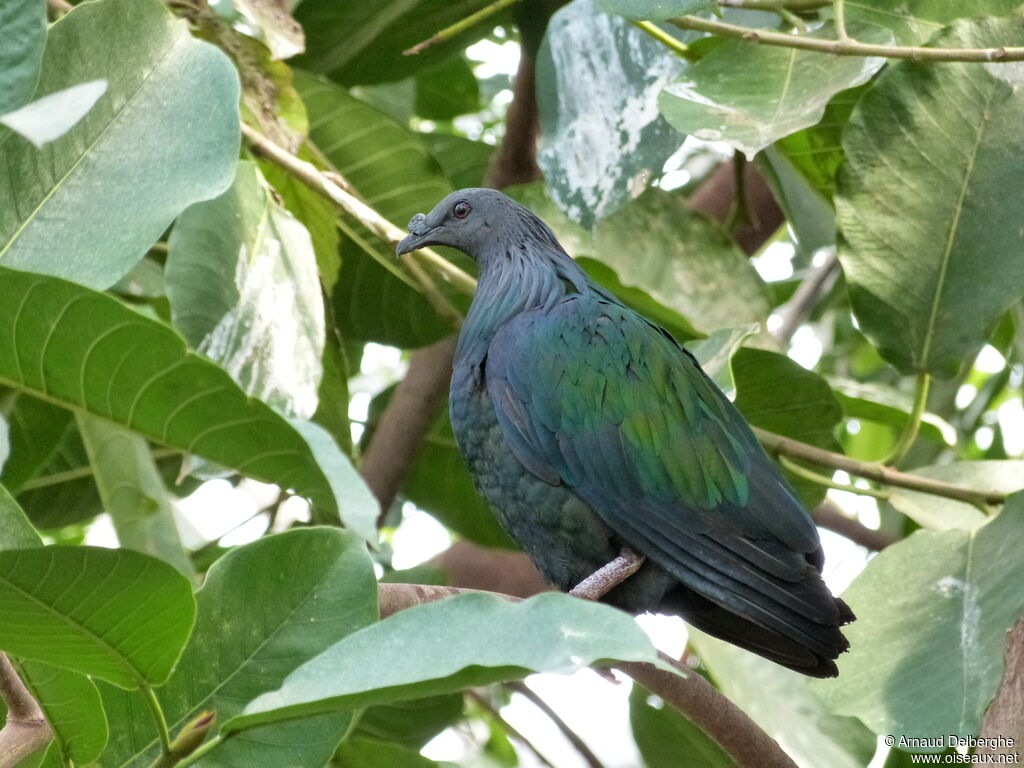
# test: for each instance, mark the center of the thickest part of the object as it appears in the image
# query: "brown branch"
(506, 726)
(693, 696)
(829, 516)
(26, 729)
(1005, 715)
(878, 472)
(847, 47)
(799, 308)
(574, 738)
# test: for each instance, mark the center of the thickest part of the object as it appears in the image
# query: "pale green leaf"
(925, 658)
(242, 281)
(84, 207)
(463, 641)
(656, 10)
(24, 26)
(715, 355)
(914, 21)
(16, 532)
(49, 118)
(928, 204)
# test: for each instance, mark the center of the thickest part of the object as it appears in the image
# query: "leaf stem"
(664, 37)
(460, 26)
(351, 205)
(779, 445)
(839, 11)
(800, 6)
(200, 753)
(828, 482)
(157, 713)
(847, 47)
(913, 424)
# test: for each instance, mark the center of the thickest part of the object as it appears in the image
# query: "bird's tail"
(787, 650)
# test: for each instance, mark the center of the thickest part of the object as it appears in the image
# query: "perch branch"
(828, 515)
(779, 445)
(26, 729)
(847, 47)
(693, 696)
(1005, 715)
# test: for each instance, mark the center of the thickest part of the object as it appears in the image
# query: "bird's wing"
(592, 395)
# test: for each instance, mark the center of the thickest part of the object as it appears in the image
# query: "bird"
(612, 459)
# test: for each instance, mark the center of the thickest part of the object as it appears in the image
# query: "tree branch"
(693, 696)
(828, 515)
(26, 729)
(1005, 715)
(778, 444)
(847, 47)
(510, 729)
(799, 308)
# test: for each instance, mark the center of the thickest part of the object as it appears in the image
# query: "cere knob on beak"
(419, 231)
(415, 223)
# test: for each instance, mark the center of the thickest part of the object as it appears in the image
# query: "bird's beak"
(419, 235)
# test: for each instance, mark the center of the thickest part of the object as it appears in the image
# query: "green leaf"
(47, 119)
(110, 613)
(448, 90)
(715, 355)
(72, 707)
(683, 260)
(464, 162)
(242, 281)
(24, 26)
(942, 514)
(664, 736)
(596, 141)
(16, 532)
(776, 92)
(777, 394)
(929, 277)
(356, 43)
(785, 706)
(811, 216)
(883, 404)
(463, 641)
(410, 723)
(656, 10)
(925, 659)
(914, 21)
(69, 344)
(369, 753)
(37, 428)
(263, 610)
(84, 207)
(133, 492)
(393, 172)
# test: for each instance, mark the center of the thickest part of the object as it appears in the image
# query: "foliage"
(176, 306)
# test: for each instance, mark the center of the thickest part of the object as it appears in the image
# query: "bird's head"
(476, 221)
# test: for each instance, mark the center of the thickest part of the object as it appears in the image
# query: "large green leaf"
(24, 26)
(785, 706)
(390, 168)
(242, 281)
(457, 643)
(71, 345)
(448, 90)
(263, 610)
(37, 428)
(914, 21)
(941, 514)
(410, 723)
(810, 215)
(111, 613)
(133, 492)
(463, 161)
(685, 261)
(85, 207)
(925, 658)
(656, 10)
(777, 394)
(927, 203)
(776, 92)
(362, 42)
(598, 79)
(72, 707)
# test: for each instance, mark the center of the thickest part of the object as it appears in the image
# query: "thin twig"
(460, 26)
(26, 729)
(827, 482)
(652, 29)
(828, 515)
(524, 690)
(322, 184)
(800, 307)
(777, 444)
(847, 47)
(692, 695)
(506, 726)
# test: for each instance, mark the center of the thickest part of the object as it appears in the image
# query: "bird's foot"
(606, 578)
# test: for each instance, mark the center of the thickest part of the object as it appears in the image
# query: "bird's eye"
(462, 209)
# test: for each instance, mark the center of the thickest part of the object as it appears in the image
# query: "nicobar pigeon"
(590, 431)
